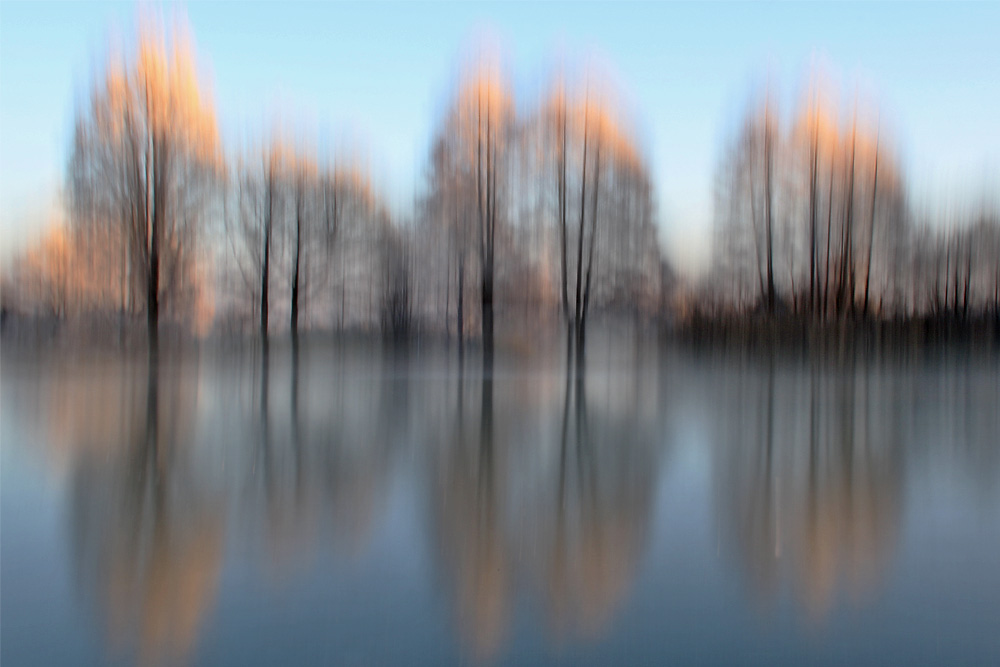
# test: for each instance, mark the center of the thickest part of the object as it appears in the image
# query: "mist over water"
(356, 503)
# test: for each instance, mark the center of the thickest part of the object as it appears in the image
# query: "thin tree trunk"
(579, 241)
(871, 231)
(582, 330)
(461, 305)
(954, 300)
(813, 212)
(447, 299)
(768, 206)
(296, 259)
(265, 277)
(968, 278)
(845, 297)
(829, 238)
(753, 220)
(563, 260)
(487, 277)
(153, 281)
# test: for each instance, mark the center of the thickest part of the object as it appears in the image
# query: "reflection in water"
(600, 516)
(469, 523)
(812, 479)
(322, 466)
(570, 518)
(286, 513)
(540, 487)
(148, 536)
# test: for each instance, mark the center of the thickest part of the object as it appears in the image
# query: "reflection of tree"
(145, 533)
(603, 496)
(470, 527)
(851, 498)
(321, 466)
(813, 494)
(573, 526)
(353, 449)
(755, 526)
(279, 470)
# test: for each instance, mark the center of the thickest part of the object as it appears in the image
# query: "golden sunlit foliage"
(297, 220)
(547, 207)
(560, 195)
(810, 217)
(594, 152)
(145, 152)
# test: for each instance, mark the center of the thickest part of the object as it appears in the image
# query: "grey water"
(342, 503)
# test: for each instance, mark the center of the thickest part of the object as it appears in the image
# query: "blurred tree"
(594, 153)
(469, 165)
(145, 156)
(259, 200)
(777, 189)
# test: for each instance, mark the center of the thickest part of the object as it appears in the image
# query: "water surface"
(350, 504)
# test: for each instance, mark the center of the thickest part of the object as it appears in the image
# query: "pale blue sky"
(379, 74)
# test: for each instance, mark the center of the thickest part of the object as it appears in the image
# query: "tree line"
(529, 213)
(813, 220)
(552, 205)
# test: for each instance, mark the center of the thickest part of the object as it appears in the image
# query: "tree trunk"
(460, 316)
(582, 329)
(563, 260)
(156, 232)
(265, 274)
(845, 293)
(753, 221)
(578, 306)
(447, 299)
(871, 233)
(491, 201)
(768, 204)
(968, 279)
(829, 238)
(812, 214)
(296, 260)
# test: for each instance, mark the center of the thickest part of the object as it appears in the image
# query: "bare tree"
(446, 210)
(469, 166)
(306, 189)
(775, 189)
(614, 226)
(251, 224)
(144, 156)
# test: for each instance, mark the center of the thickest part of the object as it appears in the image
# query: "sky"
(375, 77)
